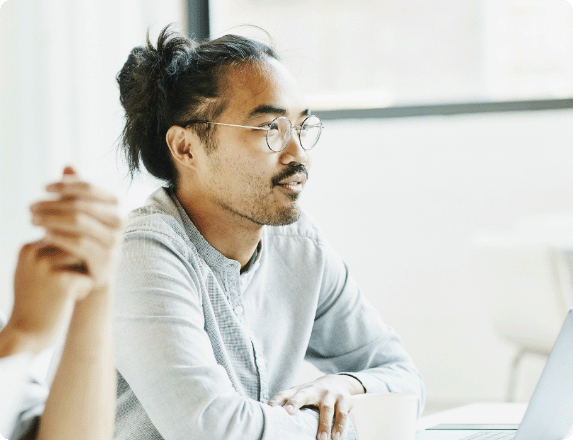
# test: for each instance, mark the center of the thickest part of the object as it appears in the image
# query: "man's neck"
(232, 235)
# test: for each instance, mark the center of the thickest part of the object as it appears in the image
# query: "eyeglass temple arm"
(244, 126)
(228, 125)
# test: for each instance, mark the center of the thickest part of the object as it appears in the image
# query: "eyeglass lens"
(280, 131)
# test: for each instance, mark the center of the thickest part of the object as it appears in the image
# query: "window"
(391, 53)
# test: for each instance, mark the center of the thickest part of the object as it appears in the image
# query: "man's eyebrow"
(267, 109)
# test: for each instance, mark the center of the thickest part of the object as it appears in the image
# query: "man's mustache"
(290, 171)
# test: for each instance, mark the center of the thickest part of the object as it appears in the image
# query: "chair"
(531, 292)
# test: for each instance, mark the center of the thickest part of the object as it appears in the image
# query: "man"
(225, 286)
(68, 272)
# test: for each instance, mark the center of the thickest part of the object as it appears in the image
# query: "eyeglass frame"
(297, 128)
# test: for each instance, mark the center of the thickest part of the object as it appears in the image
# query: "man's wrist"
(355, 385)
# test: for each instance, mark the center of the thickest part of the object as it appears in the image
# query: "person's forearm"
(13, 342)
(16, 337)
(81, 404)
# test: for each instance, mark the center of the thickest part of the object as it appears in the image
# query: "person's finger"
(28, 253)
(281, 397)
(69, 170)
(79, 189)
(104, 212)
(49, 252)
(58, 259)
(52, 259)
(81, 247)
(343, 406)
(61, 260)
(296, 401)
(76, 223)
(326, 409)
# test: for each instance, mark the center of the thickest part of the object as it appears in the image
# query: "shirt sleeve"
(13, 379)
(349, 337)
(166, 357)
(23, 396)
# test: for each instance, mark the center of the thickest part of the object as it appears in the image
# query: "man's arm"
(349, 337)
(166, 357)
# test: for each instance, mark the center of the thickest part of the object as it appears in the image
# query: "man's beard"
(272, 217)
(267, 217)
(291, 214)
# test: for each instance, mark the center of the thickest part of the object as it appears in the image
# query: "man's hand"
(82, 221)
(330, 394)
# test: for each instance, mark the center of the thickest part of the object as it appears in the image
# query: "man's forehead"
(263, 88)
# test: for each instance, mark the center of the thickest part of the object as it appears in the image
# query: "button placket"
(235, 298)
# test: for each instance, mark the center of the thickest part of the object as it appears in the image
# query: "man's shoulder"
(305, 227)
(159, 214)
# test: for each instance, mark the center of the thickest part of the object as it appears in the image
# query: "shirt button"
(239, 310)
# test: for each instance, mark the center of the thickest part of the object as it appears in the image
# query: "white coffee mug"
(388, 416)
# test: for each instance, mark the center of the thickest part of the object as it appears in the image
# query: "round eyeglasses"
(279, 131)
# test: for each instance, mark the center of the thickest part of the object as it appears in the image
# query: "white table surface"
(489, 413)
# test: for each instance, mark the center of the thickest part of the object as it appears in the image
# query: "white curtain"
(59, 102)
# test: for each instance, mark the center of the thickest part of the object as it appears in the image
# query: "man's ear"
(182, 143)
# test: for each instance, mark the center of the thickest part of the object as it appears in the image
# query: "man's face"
(241, 174)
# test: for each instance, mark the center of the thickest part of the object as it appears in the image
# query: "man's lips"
(296, 179)
(293, 184)
(292, 179)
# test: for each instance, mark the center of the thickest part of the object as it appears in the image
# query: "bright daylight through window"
(382, 53)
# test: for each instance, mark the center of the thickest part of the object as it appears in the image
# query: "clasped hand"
(83, 222)
(75, 258)
(330, 394)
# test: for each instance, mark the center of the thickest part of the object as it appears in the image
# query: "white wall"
(400, 199)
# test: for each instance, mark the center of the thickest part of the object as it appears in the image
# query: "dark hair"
(176, 81)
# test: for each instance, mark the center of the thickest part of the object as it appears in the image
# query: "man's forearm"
(81, 404)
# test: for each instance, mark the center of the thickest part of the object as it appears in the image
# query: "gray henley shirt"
(201, 347)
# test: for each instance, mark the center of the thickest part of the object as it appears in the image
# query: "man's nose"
(293, 152)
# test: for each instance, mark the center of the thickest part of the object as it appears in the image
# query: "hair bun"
(150, 69)
(146, 84)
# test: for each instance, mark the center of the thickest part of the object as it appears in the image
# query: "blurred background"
(444, 176)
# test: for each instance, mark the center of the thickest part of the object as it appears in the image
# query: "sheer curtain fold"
(59, 103)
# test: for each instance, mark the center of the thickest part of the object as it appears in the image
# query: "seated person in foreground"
(67, 273)
(225, 286)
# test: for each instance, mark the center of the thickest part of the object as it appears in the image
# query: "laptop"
(549, 415)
